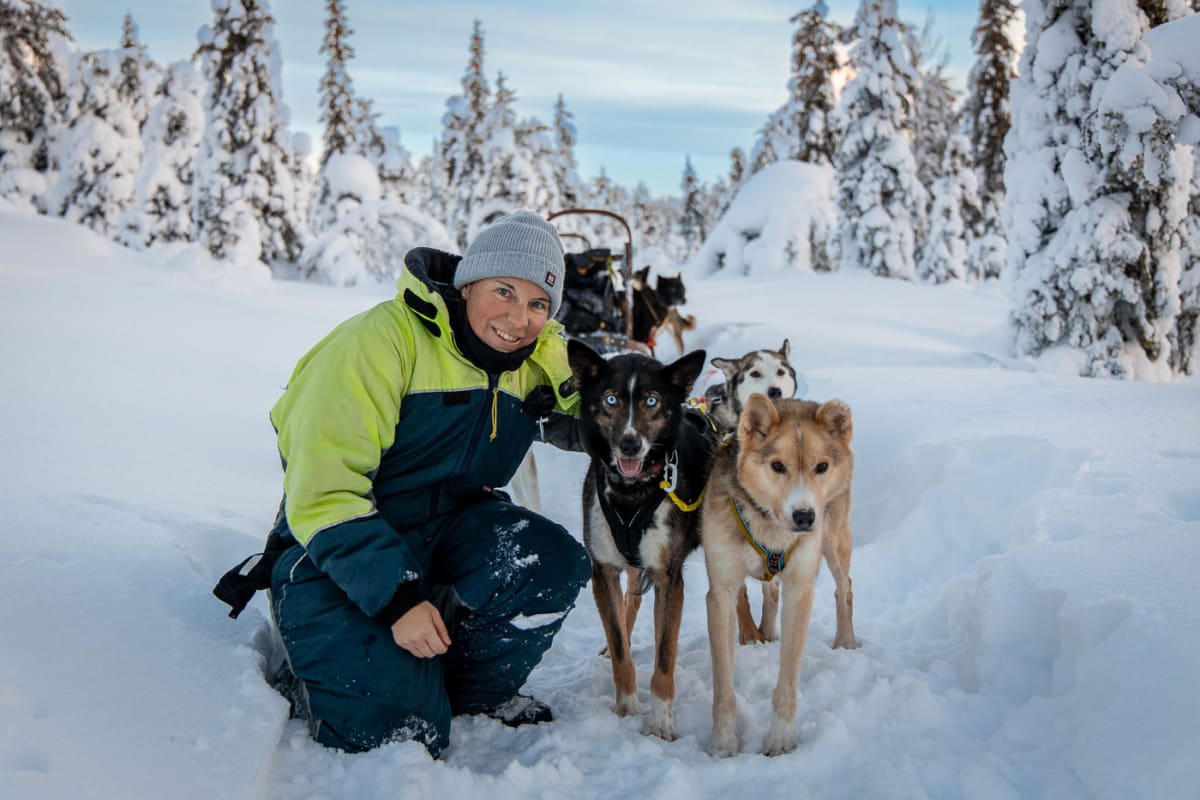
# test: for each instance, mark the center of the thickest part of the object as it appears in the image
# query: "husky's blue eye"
(610, 399)
(652, 401)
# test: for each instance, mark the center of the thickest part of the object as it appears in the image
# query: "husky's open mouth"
(629, 467)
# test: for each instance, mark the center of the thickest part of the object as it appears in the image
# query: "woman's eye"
(778, 466)
(651, 401)
(540, 305)
(610, 399)
(821, 467)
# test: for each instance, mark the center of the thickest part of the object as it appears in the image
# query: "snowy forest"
(1067, 170)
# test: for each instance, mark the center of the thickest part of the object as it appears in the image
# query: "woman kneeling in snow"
(405, 588)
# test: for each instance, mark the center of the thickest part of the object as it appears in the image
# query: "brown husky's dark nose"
(630, 445)
(803, 518)
(774, 393)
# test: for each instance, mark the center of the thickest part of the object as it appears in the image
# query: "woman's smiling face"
(506, 314)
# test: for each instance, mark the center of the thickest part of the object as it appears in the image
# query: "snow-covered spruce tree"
(140, 76)
(337, 91)
(519, 164)
(606, 194)
(368, 235)
(99, 151)
(816, 59)
(161, 207)
(802, 128)
(954, 193)
(243, 204)
(33, 77)
(934, 99)
(458, 162)
(879, 198)
(763, 153)
(566, 169)
(729, 187)
(393, 162)
(692, 218)
(1085, 269)
(1143, 127)
(304, 176)
(984, 121)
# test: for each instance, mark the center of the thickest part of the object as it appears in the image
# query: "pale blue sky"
(649, 81)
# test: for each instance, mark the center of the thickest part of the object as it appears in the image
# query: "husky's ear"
(785, 349)
(759, 416)
(835, 417)
(683, 373)
(586, 363)
(727, 366)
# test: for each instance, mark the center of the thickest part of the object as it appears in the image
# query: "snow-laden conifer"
(100, 149)
(33, 78)
(243, 204)
(1094, 241)
(161, 207)
(984, 122)
(879, 198)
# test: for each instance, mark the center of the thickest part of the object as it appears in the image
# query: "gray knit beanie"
(518, 245)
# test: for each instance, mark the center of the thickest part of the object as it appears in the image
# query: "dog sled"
(598, 290)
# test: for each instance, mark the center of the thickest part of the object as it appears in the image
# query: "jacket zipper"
(487, 413)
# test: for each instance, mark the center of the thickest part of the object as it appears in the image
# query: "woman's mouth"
(506, 337)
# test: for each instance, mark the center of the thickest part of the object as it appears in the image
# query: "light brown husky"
(777, 499)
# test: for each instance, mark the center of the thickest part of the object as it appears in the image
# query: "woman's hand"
(421, 631)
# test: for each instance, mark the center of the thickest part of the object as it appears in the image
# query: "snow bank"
(779, 220)
(1024, 569)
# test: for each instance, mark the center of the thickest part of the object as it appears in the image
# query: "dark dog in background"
(655, 310)
(649, 464)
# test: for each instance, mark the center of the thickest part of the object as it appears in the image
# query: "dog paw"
(782, 737)
(750, 636)
(661, 721)
(724, 743)
(628, 706)
(846, 642)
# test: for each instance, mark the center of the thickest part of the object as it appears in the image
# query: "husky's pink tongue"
(629, 466)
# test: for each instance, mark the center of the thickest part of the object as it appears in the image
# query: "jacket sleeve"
(335, 420)
(560, 427)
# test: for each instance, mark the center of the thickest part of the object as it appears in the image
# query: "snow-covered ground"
(1026, 568)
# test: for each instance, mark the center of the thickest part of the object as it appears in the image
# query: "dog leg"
(836, 548)
(606, 589)
(770, 611)
(797, 610)
(668, 612)
(721, 625)
(633, 602)
(748, 632)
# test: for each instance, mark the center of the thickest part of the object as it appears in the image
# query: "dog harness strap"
(628, 537)
(774, 561)
(670, 483)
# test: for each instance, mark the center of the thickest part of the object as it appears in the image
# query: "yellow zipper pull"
(495, 396)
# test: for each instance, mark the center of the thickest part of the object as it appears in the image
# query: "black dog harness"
(685, 473)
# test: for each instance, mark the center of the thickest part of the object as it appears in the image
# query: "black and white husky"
(763, 371)
(650, 458)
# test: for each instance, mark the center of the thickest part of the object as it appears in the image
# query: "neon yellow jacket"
(385, 426)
